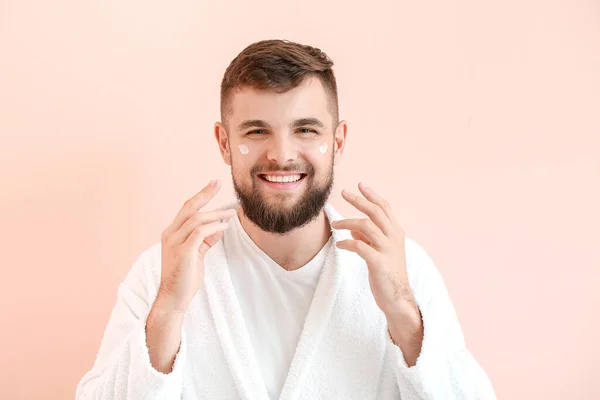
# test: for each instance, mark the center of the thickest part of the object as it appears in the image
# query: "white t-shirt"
(274, 302)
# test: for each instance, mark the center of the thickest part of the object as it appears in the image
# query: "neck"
(284, 248)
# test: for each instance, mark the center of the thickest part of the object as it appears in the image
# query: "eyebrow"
(252, 123)
(259, 123)
(308, 122)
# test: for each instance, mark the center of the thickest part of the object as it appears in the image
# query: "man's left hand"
(380, 241)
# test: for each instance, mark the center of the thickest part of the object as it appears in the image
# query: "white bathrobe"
(344, 352)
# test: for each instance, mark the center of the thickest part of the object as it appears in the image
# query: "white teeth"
(282, 179)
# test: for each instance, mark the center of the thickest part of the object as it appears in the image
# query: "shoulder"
(424, 277)
(418, 261)
(144, 273)
(151, 254)
(416, 255)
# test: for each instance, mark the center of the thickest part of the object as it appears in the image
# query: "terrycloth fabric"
(274, 302)
(344, 352)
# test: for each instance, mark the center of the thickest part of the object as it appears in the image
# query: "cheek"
(316, 150)
(244, 158)
(323, 148)
(243, 149)
(321, 154)
(244, 154)
(319, 158)
(249, 149)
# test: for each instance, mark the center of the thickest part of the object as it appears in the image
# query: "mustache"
(301, 169)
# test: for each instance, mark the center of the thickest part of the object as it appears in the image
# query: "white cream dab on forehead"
(243, 149)
(323, 148)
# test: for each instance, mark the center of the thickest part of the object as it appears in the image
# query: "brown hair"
(278, 65)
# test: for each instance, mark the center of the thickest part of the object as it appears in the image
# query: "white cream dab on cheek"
(243, 149)
(323, 149)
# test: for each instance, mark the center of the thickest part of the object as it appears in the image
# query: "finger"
(197, 219)
(360, 236)
(210, 241)
(192, 205)
(366, 252)
(200, 233)
(366, 227)
(377, 199)
(373, 211)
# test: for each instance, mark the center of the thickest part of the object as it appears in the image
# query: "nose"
(282, 150)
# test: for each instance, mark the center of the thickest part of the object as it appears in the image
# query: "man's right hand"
(184, 244)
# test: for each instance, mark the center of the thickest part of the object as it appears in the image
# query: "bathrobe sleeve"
(445, 369)
(122, 368)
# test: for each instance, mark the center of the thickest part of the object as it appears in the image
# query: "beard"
(284, 217)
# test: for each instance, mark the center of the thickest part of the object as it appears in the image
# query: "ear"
(223, 141)
(339, 141)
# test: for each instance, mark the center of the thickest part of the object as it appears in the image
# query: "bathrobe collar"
(234, 336)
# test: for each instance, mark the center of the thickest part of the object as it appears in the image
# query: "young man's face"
(288, 137)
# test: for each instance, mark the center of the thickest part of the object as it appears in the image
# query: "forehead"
(307, 100)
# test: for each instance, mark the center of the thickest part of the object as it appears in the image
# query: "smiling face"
(281, 148)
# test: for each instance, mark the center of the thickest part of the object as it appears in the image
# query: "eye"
(306, 130)
(257, 132)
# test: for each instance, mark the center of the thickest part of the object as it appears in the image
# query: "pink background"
(480, 123)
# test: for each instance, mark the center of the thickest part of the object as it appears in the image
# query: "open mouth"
(282, 179)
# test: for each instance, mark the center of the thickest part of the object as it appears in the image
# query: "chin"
(282, 200)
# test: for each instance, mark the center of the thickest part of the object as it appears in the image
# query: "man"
(277, 296)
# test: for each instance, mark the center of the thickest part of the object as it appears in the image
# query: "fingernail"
(210, 183)
(363, 185)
